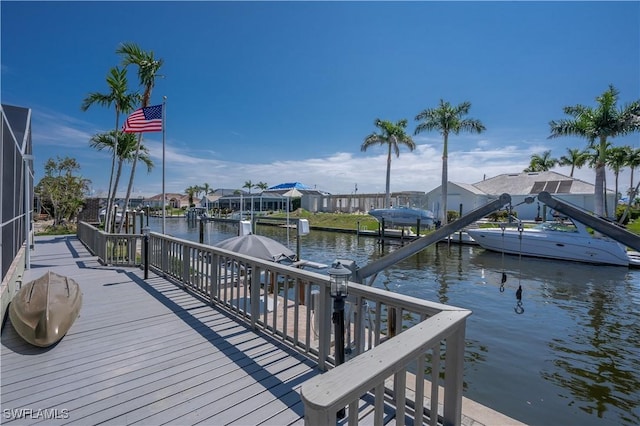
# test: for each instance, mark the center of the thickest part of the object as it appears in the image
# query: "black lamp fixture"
(339, 277)
(146, 232)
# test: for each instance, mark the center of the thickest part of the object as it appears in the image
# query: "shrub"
(501, 215)
(452, 215)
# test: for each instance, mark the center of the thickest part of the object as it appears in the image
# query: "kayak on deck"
(44, 309)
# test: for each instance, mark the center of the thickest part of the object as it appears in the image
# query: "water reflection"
(593, 362)
(597, 370)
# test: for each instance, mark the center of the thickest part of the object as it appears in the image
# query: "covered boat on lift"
(403, 216)
(44, 309)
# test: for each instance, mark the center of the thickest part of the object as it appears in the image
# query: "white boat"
(403, 216)
(103, 213)
(197, 213)
(566, 240)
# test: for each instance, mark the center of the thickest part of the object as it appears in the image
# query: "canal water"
(568, 354)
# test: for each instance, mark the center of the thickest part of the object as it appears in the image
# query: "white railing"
(112, 249)
(389, 336)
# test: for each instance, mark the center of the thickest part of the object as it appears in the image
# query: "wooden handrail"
(324, 395)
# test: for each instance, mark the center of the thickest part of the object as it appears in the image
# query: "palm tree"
(616, 159)
(126, 150)
(124, 103)
(633, 162)
(248, 184)
(261, 186)
(191, 192)
(541, 163)
(592, 159)
(198, 190)
(206, 188)
(148, 68)
(392, 135)
(447, 119)
(597, 125)
(574, 158)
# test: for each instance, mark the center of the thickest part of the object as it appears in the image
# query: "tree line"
(598, 125)
(194, 191)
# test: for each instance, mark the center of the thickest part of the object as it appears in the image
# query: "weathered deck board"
(146, 352)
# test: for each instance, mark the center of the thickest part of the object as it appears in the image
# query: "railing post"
(453, 375)
(316, 417)
(146, 256)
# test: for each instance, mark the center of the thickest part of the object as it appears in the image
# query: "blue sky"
(287, 91)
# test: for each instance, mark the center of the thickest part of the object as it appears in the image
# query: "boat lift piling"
(372, 269)
(601, 225)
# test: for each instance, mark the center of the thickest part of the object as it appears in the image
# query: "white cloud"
(470, 160)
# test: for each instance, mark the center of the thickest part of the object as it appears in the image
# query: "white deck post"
(454, 369)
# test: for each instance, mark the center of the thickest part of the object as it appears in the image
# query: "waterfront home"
(520, 186)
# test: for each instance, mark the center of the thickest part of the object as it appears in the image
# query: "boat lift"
(603, 226)
(371, 270)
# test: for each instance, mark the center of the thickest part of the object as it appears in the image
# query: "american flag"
(148, 119)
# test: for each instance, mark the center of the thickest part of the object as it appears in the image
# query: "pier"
(155, 351)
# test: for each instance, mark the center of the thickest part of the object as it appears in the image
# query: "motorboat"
(197, 213)
(562, 240)
(103, 213)
(403, 216)
(44, 309)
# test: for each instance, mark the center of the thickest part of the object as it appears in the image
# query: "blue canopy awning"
(289, 185)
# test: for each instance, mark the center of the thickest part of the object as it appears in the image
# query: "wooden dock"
(149, 352)
(145, 352)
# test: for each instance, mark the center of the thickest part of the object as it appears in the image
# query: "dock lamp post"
(339, 277)
(146, 231)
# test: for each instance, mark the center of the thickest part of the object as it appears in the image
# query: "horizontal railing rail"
(294, 306)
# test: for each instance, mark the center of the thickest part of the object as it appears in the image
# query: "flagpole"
(164, 198)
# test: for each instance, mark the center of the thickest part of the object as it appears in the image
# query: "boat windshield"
(563, 226)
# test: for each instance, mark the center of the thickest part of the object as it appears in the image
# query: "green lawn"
(328, 220)
(334, 220)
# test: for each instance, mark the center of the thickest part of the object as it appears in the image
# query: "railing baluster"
(378, 323)
(399, 391)
(378, 415)
(297, 286)
(419, 386)
(285, 310)
(435, 384)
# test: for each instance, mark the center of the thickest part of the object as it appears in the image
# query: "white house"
(466, 197)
